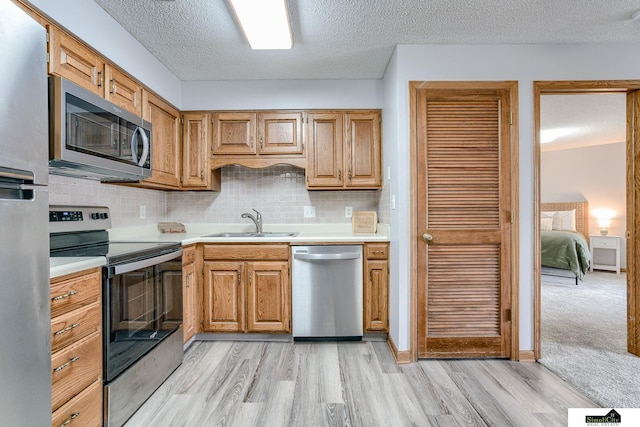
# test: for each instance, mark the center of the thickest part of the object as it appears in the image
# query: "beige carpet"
(584, 337)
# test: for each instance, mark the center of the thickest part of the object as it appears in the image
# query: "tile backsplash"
(278, 192)
(123, 202)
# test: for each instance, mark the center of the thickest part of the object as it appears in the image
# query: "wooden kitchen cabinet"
(179, 148)
(75, 61)
(122, 90)
(166, 147)
(234, 133)
(246, 288)
(268, 296)
(257, 139)
(280, 133)
(196, 172)
(343, 150)
(376, 287)
(76, 349)
(223, 297)
(190, 292)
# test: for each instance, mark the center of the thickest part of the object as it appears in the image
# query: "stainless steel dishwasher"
(327, 292)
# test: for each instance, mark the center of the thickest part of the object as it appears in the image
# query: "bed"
(564, 247)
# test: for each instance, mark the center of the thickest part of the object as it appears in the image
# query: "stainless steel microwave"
(93, 138)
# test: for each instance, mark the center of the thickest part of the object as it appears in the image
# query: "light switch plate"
(143, 211)
(309, 211)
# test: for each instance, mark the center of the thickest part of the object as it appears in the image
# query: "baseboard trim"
(527, 356)
(401, 357)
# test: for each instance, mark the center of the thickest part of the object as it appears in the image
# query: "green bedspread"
(567, 250)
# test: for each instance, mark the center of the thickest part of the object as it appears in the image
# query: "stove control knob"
(94, 215)
(103, 215)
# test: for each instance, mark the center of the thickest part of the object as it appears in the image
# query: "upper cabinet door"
(234, 133)
(280, 133)
(362, 149)
(195, 160)
(324, 153)
(166, 156)
(74, 61)
(122, 90)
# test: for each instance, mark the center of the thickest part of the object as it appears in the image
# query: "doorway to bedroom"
(593, 171)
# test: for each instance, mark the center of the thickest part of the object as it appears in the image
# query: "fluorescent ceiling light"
(265, 23)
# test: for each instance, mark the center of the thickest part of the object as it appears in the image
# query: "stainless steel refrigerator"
(25, 348)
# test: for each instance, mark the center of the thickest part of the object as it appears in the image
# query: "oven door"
(142, 306)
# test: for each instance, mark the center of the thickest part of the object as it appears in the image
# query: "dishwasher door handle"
(338, 256)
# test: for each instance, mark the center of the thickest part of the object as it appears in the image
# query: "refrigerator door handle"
(16, 174)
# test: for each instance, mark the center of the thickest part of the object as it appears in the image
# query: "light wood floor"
(225, 383)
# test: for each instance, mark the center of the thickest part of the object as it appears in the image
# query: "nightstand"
(605, 253)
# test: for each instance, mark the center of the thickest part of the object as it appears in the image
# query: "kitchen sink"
(255, 234)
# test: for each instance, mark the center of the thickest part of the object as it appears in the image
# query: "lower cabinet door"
(84, 410)
(376, 296)
(74, 368)
(189, 301)
(223, 297)
(268, 297)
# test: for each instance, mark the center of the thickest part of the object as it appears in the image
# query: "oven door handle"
(136, 265)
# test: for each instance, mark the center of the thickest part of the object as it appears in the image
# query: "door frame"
(568, 87)
(414, 87)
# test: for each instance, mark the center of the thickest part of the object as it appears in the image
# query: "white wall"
(89, 22)
(281, 94)
(524, 63)
(596, 174)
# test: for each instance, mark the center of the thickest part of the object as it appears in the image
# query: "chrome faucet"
(257, 220)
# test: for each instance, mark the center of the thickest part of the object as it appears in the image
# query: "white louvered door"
(464, 221)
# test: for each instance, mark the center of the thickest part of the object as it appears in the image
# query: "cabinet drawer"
(246, 252)
(188, 255)
(604, 242)
(377, 251)
(74, 291)
(74, 326)
(75, 367)
(84, 410)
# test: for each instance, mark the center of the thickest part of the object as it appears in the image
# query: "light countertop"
(198, 233)
(60, 266)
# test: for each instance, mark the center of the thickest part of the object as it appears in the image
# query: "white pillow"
(546, 224)
(565, 220)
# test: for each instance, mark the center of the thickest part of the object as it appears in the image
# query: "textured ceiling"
(590, 119)
(354, 39)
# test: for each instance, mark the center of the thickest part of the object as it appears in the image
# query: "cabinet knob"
(428, 238)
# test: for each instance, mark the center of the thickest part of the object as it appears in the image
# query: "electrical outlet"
(143, 211)
(348, 211)
(309, 211)
(393, 201)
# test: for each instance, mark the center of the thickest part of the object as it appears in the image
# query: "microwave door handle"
(134, 146)
(145, 147)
